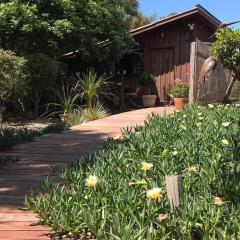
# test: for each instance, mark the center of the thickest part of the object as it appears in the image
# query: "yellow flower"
(117, 137)
(184, 116)
(154, 193)
(92, 181)
(201, 118)
(218, 201)
(225, 141)
(210, 106)
(226, 124)
(146, 166)
(194, 169)
(199, 114)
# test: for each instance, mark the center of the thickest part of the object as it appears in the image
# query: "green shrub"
(181, 90)
(43, 71)
(13, 77)
(226, 49)
(201, 144)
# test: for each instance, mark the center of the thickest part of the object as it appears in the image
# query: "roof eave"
(199, 9)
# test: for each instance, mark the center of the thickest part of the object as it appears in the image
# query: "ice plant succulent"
(154, 193)
(92, 181)
(146, 166)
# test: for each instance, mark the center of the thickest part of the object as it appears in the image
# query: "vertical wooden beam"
(174, 190)
(193, 76)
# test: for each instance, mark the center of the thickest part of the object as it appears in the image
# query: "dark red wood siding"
(167, 51)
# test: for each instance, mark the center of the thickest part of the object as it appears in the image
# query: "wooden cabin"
(163, 48)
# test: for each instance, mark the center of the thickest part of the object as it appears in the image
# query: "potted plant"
(180, 93)
(146, 81)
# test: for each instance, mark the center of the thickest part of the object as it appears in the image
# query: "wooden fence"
(210, 88)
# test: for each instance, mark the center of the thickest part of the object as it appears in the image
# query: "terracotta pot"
(149, 100)
(180, 102)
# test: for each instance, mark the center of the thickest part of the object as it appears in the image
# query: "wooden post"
(174, 190)
(122, 94)
(192, 72)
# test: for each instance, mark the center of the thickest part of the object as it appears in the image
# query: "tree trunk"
(36, 104)
(229, 89)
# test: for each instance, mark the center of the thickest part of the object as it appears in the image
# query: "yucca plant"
(96, 111)
(92, 87)
(77, 117)
(66, 100)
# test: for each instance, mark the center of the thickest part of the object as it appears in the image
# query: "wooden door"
(163, 69)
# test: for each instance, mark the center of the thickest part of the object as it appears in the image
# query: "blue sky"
(225, 10)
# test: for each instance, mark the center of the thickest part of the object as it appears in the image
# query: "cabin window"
(136, 65)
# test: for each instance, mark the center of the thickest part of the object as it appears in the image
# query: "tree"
(55, 27)
(139, 20)
(226, 49)
(13, 77)
(43, 71)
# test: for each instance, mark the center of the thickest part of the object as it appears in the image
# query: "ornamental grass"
(120, 192)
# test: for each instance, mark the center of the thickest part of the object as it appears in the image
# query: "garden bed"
(13, 133)
(120, 193)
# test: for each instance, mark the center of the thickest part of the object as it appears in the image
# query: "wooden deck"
(52, 150)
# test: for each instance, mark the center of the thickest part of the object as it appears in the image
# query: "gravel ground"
(33, 124)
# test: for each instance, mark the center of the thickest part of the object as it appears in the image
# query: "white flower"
(210, 105)
(226, 124)
(199, 114)
(201, 118)
(154, 193)
(225, 142)
(175, 153)
(184, 116)
(199, 124)
(183, 127)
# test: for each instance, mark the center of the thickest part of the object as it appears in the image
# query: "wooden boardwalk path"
(52, 150)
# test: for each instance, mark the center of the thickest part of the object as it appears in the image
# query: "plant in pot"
(146, 81)
(180, 93)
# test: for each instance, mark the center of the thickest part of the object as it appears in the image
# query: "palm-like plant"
(96, 111)
(92, 87)
(66, 100)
